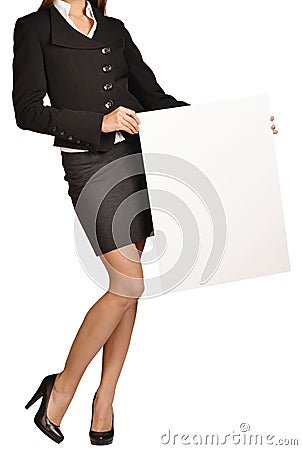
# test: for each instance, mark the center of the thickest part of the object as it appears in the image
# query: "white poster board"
(214, 190)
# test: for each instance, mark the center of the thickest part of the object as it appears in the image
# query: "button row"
(107, 86)
(107, 68)
(70, 138)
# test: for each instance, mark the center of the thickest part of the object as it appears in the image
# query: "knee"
(130, 290)
(135, 288)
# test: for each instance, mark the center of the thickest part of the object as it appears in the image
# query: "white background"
(200, 361)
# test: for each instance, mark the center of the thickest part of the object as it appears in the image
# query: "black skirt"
(110, 196)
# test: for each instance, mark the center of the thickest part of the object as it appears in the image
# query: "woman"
(96, 80)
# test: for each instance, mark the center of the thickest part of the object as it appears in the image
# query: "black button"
(54, 129)
(78, 141)
(106, 50)
(108, 104)
(70, 138)
(62, 133)
(108, 86)
(107, 68)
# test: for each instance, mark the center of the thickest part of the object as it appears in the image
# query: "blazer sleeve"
(30, 87)
(142, 82)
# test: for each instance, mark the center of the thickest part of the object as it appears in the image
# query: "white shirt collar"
(64, 8)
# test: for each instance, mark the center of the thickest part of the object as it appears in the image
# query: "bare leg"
(126, 286)
(114, 355)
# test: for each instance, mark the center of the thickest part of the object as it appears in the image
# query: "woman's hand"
(121, 119)
(273, 126)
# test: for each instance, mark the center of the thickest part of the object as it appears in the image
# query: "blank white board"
(214, 190)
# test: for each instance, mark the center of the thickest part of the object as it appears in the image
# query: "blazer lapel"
(63, 34)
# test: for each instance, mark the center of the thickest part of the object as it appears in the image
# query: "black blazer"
(84, 78)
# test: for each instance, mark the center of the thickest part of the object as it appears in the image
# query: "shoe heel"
(35, 397)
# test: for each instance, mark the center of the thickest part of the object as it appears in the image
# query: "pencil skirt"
(109, 193)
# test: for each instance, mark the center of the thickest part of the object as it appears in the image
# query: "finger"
(275, 131)
(132, 113)
(132, 122)
(272, 118)
(129, 127)
(121, 116)
(273, 127)
(125, 128)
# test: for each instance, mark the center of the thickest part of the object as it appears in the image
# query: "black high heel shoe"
(101, 437)
(41, 420)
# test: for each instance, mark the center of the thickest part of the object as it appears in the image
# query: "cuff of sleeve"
(82, 127)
